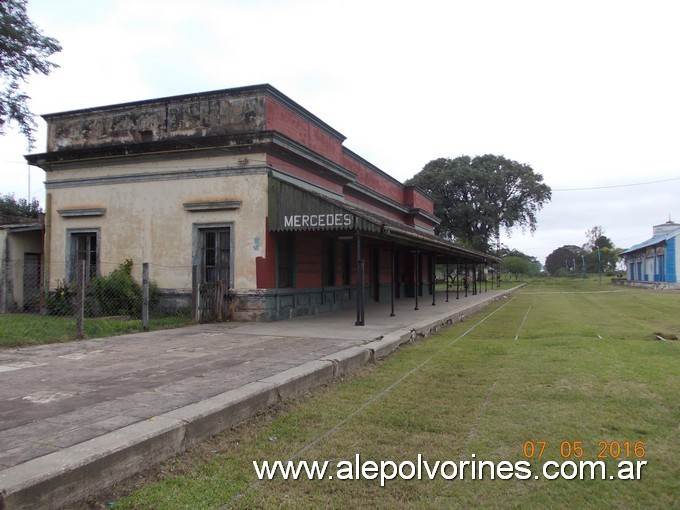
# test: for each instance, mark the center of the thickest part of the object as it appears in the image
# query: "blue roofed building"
(654, 262)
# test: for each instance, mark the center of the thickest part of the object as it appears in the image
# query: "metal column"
(392, 285)
(360, 285)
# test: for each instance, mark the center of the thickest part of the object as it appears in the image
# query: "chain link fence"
(92, 301)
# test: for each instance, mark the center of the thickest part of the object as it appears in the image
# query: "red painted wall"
(279, 118)
(266, 266)
(308, 261)
(306, 175)
(415, 198)
(309, 245)
(373, 180)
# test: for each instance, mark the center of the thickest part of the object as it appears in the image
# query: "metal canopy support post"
(360, 285)
(447, 280)
(474, 279)
(466, 280)
(416, 281)
(457, 279)
(433, 277)
(145, 296)
(392, 284)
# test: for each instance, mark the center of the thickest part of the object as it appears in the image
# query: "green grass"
(560, 361)
(28, 329)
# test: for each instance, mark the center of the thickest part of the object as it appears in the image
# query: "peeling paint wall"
(145, 220)
(14, 247)
(156, 121)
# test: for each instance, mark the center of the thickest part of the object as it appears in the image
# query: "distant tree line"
(597, 254)
(517, 264)
(12, 208)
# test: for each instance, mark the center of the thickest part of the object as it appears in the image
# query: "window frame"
(198, 231)
(72, 234)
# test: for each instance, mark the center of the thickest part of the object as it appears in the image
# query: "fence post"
(219, 300)
(80, 302)
(195, 316)
(3, 286)
(145, 296)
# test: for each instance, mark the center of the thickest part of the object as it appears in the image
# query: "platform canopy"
(294, 208)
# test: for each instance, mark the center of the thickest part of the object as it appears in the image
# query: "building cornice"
(155, 177)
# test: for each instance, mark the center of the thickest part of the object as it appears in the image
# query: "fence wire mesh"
(101, 300)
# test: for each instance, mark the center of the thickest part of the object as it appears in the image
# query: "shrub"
(59, 301)
(119, 293)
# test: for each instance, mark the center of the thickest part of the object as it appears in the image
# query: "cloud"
(584, 92)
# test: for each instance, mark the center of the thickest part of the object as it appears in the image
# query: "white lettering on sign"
(317, 220)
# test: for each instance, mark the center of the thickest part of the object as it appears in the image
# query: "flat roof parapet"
(205, 114)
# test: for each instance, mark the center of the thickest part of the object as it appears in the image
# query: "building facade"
(240, 186)
(21, 247)
(655, 261)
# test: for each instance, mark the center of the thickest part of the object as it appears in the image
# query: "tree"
(475, 197)
(516, 266)
(567, 257)
(11, 208)
(600, 253)
(596, 239)
(23, 51)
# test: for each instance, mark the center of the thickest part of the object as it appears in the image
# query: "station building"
(243, 189)
(655, 261)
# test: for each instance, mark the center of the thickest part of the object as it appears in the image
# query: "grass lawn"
(30, 329)
(568, 364)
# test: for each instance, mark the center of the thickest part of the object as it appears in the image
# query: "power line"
(618, 185)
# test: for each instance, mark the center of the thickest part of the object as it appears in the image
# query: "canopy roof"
(293, 208)
(657, 239)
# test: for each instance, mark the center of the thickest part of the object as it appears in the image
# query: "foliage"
(23, 51)
(119, 294)
(602, 260)
(565, 257)
(475, 197)
(598, 255)
(596, 239)
(516, 266)
(30, 329)
(12, 207)
(60, 301)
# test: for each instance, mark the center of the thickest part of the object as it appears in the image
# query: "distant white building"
(655, 261)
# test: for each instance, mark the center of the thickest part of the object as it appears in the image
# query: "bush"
(59, 302)
(119, 293)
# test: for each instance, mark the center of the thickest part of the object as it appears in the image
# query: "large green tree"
(24, 51)
(476, 197)
(516, 266)
(600, 252)
(596, 239)
(567, 258)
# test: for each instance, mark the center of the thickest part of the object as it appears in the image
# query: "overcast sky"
(587, 92)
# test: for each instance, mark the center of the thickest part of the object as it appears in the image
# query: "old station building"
(654, 262)
(244, 189)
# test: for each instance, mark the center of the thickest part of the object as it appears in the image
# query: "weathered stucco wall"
(200, 115)
(145, 219)
(14, 247)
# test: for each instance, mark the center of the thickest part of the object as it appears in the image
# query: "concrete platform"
(77, 417)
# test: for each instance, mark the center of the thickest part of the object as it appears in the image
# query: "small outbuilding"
(654, 262)
(21, 248)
